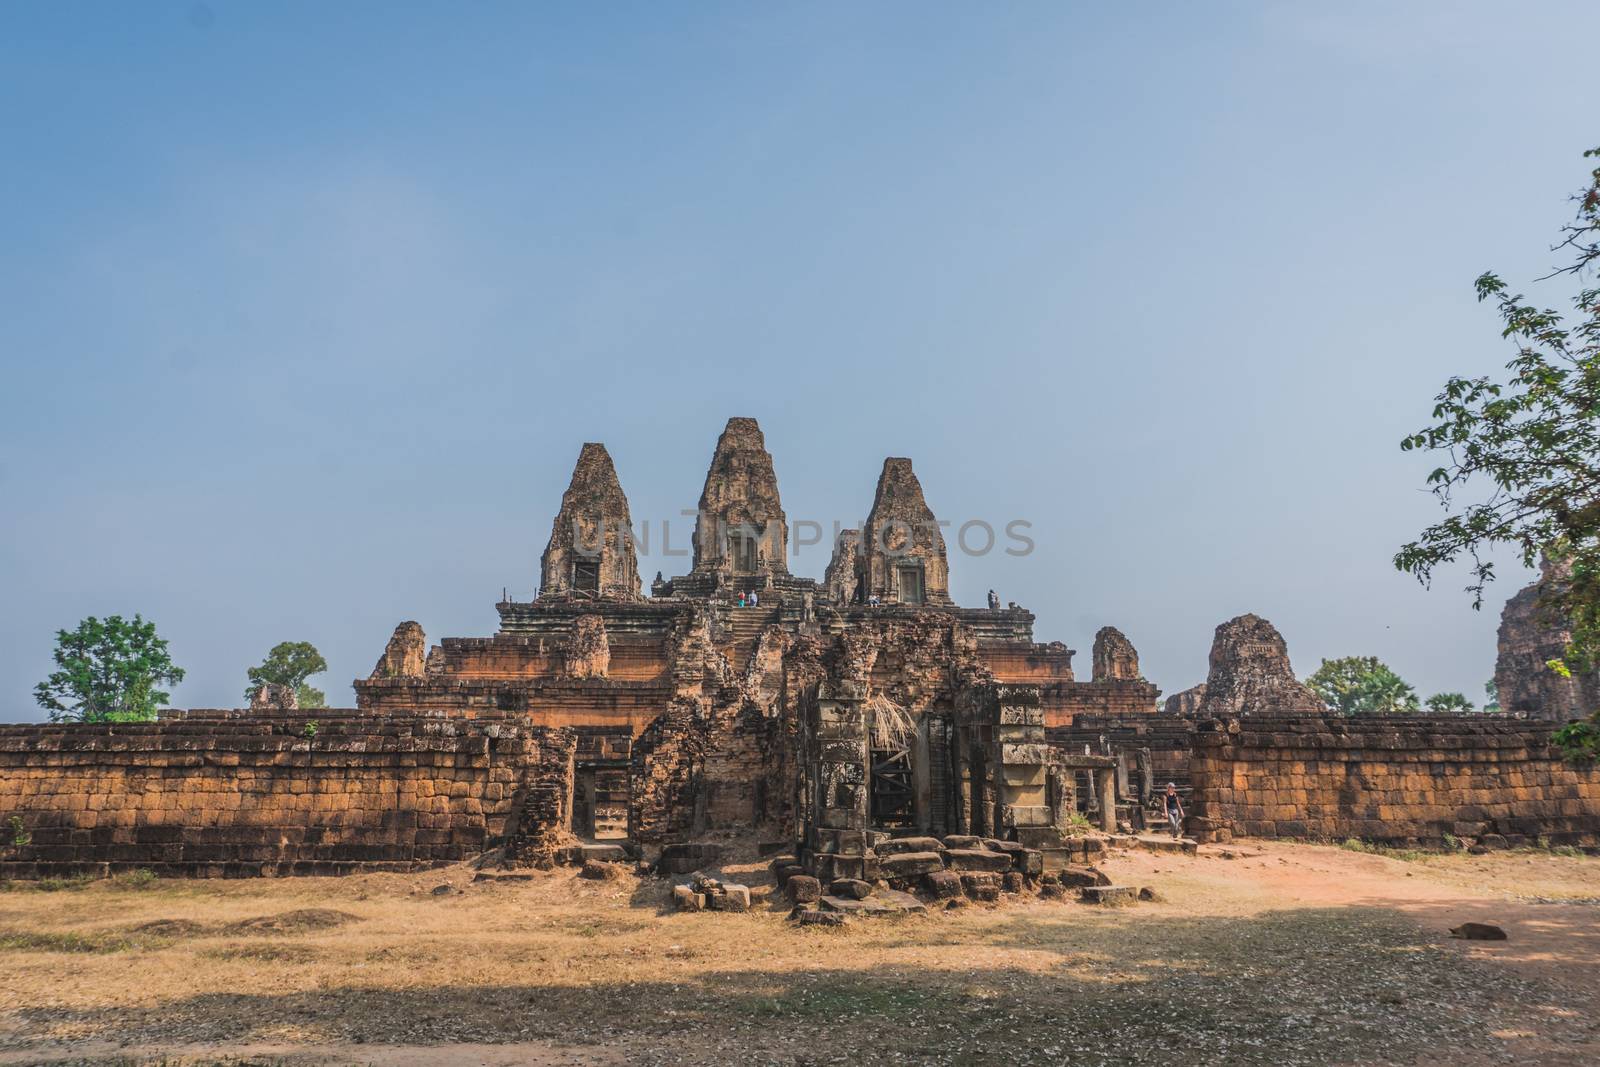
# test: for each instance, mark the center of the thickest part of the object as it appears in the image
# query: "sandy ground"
(1282, 954)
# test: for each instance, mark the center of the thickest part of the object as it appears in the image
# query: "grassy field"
(1285, 954)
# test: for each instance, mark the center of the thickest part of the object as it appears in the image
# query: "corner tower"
(590, 555)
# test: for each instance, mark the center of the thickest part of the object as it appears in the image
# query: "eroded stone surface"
(587, 653)
(840, 580)
(274, 697)
(591, 552)
(406, 654)
(1250, 673)
(1188, 702)
(902, 554)
(1531, 635)
(740, 501)
(1115, 658)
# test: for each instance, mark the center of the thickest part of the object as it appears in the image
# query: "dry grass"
(1295, 955)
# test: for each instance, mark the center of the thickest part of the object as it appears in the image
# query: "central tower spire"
(741, 529)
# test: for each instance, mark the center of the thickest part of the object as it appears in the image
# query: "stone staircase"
(738, 629)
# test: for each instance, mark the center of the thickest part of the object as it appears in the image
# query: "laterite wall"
(233, 794)
(1391, 779)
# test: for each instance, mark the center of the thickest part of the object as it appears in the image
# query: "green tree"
(1491, 692)
(1362, 685)
(1520, 459)
(1440, 703)
(290, 663)
(108, 671)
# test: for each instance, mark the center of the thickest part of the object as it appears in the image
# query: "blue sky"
(309, 307)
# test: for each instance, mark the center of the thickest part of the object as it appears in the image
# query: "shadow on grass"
(1311, 986)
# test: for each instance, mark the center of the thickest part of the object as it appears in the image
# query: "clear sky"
(308, 307)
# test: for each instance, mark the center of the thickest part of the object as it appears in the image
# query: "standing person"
(754, 599)
(1174, 809)
(994, 601)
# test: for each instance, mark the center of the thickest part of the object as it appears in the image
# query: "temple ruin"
(1532, 633)
(828, 712)
(865, 725)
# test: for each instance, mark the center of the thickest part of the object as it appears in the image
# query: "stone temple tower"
(590, 555)
(901, 558)
(741, 531)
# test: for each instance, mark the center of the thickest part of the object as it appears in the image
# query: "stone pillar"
(835, 840)
(1105, 787)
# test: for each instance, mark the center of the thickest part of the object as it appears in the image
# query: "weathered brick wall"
(1065, 701)
(233, 794)
(1390, 779)
(664, 776)
(570, 702)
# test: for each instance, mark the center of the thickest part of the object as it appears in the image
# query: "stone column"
(1105, 785)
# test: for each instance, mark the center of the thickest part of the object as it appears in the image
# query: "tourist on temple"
(1174, 809)
(994, 601)
(754, 599)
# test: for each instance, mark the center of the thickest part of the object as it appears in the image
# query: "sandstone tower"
(741, 531)
(902, 555)
(590, 554)
(1530, 637)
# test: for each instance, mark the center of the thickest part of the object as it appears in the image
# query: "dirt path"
(1286, 954)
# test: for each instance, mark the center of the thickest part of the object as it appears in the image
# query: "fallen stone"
(821, 918)
(1147, 893)
(442, 890)
(1029, 861)
(601, 871)
(942, 885)
(962, 841)
(1078, 877)
(974, 859)
(854, 888)
(604, 853)
(1012, 882)
(779, 862)
(1478, 932)
(786, 872)
(732, 898)
(981, 885)
(896, 845)
(884, 902)
(1052, 891)
(911, 864)
(1109, 894)
(955, 903)
(803, 889)
(994, 844)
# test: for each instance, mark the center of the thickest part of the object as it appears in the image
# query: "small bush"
(68, 883)
(1077, 823)
(17, 941)
(143, 878)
